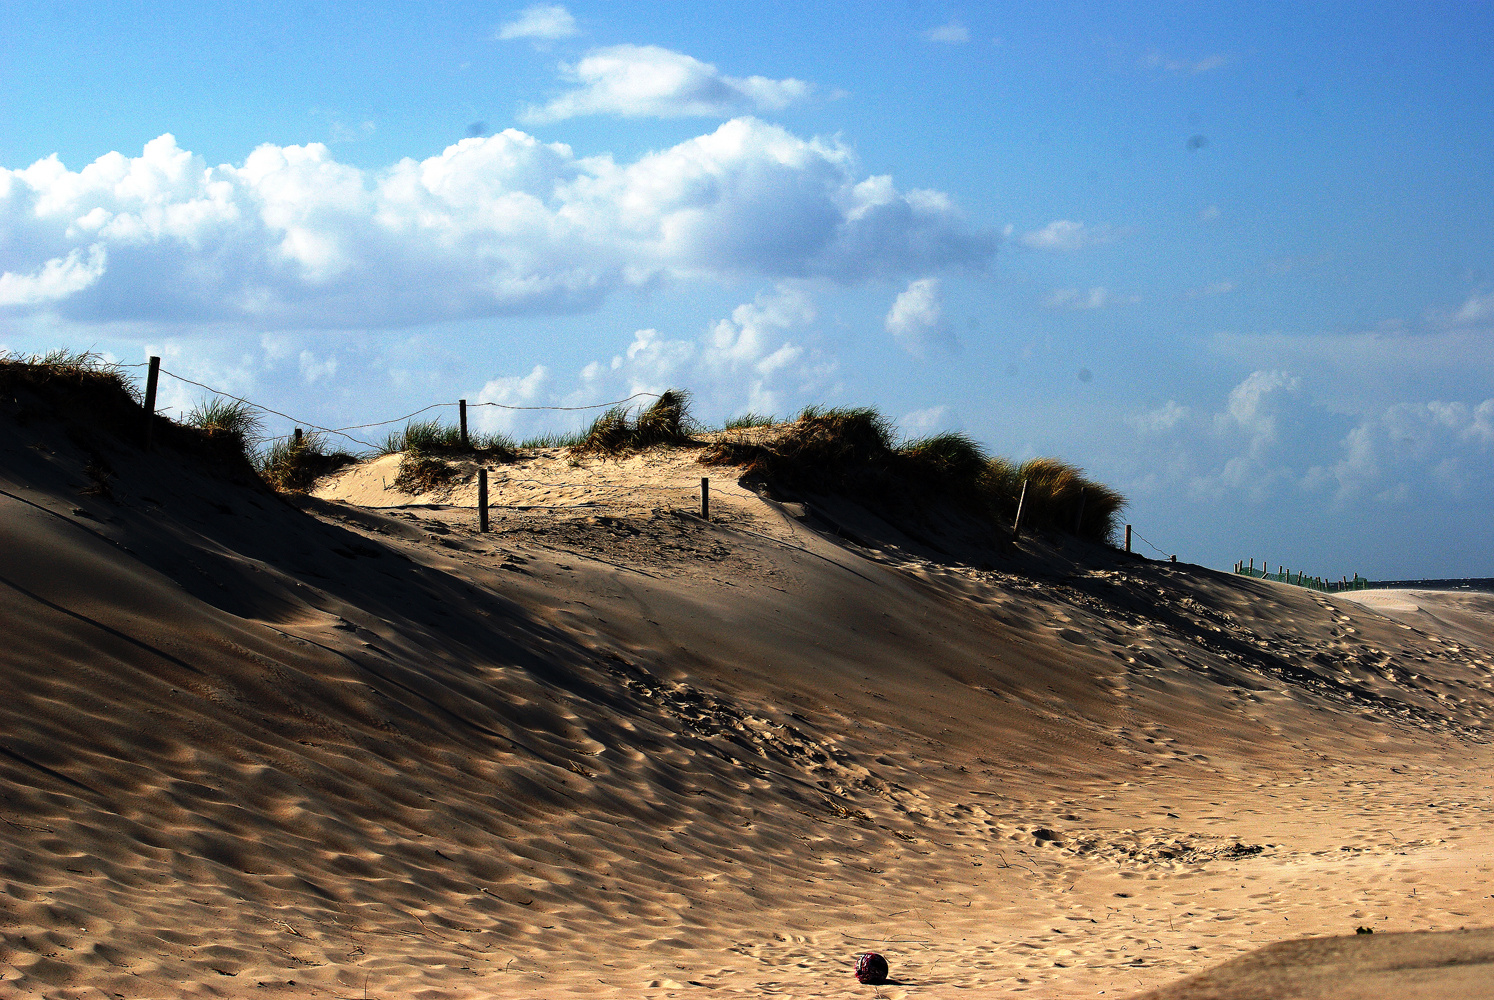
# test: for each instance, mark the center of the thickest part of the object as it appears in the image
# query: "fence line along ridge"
(342, 431)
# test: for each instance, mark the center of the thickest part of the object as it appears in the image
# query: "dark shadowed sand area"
(346, 745)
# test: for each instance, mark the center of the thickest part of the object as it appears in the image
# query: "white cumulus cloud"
(1062, 234)
(1271, 442)
(1164, 418)
(921, 422)
(916, 319)
(754, 336)
(510, 391)
(751, 360)
(651, 81)
(502, 225)
(56, 279)
(546, 22)
(1254, 406)
(1408, 447)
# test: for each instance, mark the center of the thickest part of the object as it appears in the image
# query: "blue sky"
(1235, 262)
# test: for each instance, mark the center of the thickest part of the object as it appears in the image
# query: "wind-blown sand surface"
(347, 745)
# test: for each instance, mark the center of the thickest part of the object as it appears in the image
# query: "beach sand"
(345, 745)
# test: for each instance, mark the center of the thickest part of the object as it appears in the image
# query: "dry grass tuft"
(618, 432)
(852, 452)
(419, 473)
(100, 476)
(64, 369)
(953, 460)
(78, 386)
(749, 420)
(231, 420)
(1054, 489)
(666, 421)
(835, 450)
(553, 439)
(431, 437)
(293, 466)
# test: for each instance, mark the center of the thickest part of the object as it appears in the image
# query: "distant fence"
(1300, 579)
(155, 371)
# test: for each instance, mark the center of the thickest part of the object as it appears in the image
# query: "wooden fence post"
(462, 409)
(705, 498)
(152, 377)
(1128, 538)
(482, 500)
(299, 437)
(1022, 509)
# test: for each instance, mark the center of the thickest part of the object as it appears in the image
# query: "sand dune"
(256, 748)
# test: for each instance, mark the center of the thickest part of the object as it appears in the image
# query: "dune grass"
(63, 369)
(748, 420)
(552, 439)
(293, 466)
(856, 452)
(620, 431)
(235, 421)
(1054, 492)
(420, 473)
(433, 438)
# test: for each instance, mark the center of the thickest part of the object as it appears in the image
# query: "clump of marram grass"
(421, 473)
(853, 452)
(64, 369)
(230, 419)
(952, 459)
(830, 450)
(747, 421)
(294, 464)
(553, 439)
(610, 434)
(1059, 497)
(666, 421)
(618, 431)
(431, 437)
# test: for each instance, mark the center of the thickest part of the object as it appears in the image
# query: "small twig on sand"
(365, 991)
(1005, 864)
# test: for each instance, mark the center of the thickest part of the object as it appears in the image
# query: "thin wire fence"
(343, 431)
(1162, 552)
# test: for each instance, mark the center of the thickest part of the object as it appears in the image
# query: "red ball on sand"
(871, 968)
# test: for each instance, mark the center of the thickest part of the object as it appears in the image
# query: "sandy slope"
(260, 749)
